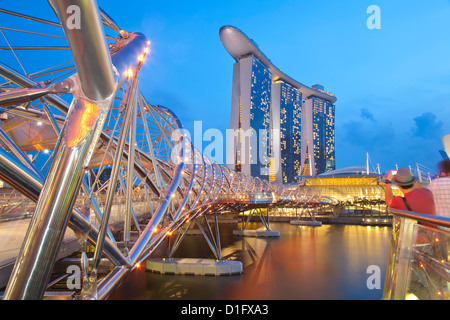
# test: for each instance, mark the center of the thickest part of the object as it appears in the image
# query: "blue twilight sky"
(392, 84)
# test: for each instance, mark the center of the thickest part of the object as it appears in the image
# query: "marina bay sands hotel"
(281, 129)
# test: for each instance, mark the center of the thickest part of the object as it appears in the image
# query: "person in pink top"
(440, 187)
(415, 198)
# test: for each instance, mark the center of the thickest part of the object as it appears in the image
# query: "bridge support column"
(194, 266)
(302, 222)
(261, 232)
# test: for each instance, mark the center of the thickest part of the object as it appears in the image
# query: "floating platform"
(259, 233)
(197, 267)
(308, 223)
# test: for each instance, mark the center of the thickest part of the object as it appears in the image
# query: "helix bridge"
(82, 149)
(86, 159)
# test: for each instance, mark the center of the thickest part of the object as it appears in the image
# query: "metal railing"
(418, 264)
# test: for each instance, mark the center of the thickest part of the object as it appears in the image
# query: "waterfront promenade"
(12, 234)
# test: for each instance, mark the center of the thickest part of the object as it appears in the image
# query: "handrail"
(422, 217)
(406, 246)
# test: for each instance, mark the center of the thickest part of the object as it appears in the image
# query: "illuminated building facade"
(274, 133)
(323, 135)
(287, 116)
(318, 136)
(261, 85)
(249, 143)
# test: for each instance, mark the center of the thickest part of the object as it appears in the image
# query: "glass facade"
(290, 132)
(256, 112)
(260, 118)
(323, 135)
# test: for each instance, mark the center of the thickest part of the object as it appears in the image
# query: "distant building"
(275, 134)
(287, 110)
(252, 84)
(319, 132)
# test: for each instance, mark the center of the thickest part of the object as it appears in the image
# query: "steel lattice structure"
(67, 127)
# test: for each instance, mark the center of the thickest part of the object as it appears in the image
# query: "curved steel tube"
(29, 184)
(88, 46)
(139, 248)
(73, 152)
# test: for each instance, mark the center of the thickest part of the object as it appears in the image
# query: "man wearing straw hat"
(420, 200)
(415, 198)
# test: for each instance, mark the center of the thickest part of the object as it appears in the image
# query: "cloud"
(427, 127)
(366, 114)
(390, 142)
(363, 133)
(368, 135)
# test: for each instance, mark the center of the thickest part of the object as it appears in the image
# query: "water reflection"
(327, 263)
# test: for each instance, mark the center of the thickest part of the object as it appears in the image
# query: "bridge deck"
(12, 234)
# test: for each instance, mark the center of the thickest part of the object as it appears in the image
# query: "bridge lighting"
(138, 265)
(124, 34)
(141, 58)
(129, 73)
(146, 50)
(410, 296)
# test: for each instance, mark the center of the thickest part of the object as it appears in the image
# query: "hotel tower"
(280, 129)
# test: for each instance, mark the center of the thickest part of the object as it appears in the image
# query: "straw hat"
(404, 177)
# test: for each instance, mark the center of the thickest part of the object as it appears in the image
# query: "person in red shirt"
(420, 200)
(415, 198)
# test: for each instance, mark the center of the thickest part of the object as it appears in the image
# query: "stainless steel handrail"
(422, 217)
(403, 250)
